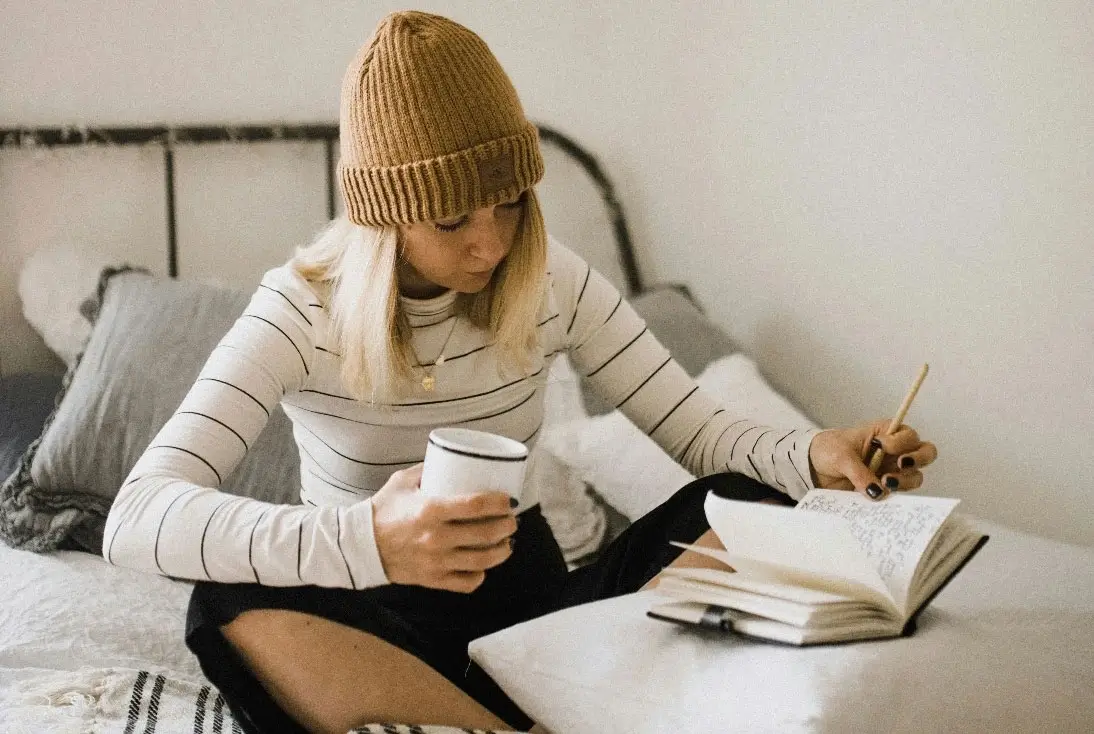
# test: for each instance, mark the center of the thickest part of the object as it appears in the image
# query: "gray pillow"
(150, 338)
(691, 338)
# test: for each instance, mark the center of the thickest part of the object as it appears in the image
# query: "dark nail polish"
(892, 482)
(875, 444)
(907, 462)
(512, 543)
(513, 502)
(874, 491)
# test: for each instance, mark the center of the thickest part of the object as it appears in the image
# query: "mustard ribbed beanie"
(431, 127)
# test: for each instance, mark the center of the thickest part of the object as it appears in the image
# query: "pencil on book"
(894, 424)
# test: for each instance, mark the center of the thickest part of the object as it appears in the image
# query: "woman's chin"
(475, 282)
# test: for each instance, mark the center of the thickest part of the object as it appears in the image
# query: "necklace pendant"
(429, 382)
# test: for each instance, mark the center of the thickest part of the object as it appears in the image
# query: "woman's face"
(457, 254)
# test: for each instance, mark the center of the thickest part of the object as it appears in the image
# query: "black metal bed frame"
(326, 133)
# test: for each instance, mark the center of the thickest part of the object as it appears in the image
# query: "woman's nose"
(489, 241)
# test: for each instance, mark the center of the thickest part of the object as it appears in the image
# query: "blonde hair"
(356, 267)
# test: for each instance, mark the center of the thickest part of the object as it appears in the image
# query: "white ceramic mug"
(463, 461)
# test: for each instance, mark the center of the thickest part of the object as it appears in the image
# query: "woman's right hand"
(440, 542)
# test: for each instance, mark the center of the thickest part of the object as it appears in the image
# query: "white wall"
(850, 188)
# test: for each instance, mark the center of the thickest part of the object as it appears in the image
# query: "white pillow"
(577, 521)
(630, 471)
(1005, 647)
(53, 282)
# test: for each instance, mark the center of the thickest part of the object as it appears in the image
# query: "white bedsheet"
(75, 631)
(69, 610)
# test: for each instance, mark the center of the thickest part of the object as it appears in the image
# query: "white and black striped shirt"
(168, 517)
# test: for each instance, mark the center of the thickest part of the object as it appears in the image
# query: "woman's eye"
(451, 227)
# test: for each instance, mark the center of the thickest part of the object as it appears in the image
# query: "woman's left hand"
(837, 459)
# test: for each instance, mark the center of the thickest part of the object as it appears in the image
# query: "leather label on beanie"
(496, 172)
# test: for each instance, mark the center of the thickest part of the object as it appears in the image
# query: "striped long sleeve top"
(170, 518)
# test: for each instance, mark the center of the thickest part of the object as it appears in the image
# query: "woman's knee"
(265, 625)
(303, 662)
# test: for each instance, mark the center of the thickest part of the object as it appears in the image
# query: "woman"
(438, 300)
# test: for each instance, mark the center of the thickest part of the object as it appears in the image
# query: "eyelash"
(453, 227)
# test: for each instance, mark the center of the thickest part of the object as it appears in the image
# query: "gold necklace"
(429, 382)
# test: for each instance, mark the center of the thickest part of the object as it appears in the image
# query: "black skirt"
(436, 626)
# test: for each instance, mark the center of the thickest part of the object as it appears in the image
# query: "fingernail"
(874, 491)
(513, 502)
(875, 444)
(892, 482)
(907, 462)
(512, 543)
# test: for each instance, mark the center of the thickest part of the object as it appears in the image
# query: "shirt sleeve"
(611, 346)
(169, 516)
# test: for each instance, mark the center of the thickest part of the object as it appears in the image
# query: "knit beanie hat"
(431, 127)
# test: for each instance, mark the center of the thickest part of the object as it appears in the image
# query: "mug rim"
(478, 444)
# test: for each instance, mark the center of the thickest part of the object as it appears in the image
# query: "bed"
(90, 368)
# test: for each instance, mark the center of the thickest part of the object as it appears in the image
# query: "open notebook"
(835, 568)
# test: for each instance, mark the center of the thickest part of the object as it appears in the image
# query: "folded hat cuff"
(443, 187)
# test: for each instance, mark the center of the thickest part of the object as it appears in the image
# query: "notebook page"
(802, 542)
(894, 532)
(756, 585)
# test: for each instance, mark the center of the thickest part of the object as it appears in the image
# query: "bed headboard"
(225, 203)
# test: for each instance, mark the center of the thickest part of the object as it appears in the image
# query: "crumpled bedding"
(90, 648)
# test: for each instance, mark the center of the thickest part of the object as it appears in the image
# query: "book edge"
(910, 624)
(715, 621)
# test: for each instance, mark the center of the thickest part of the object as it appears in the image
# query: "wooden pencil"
(894, 424)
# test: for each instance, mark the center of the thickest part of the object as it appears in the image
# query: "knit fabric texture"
(430, 126)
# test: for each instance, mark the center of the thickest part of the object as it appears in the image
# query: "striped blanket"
(124, 701)
(156, 700)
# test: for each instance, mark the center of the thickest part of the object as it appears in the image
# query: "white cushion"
(1006, 647)
(53, 282)
(577, 521)
(630, 471)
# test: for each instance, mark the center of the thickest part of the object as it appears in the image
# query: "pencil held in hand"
(878, 455)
